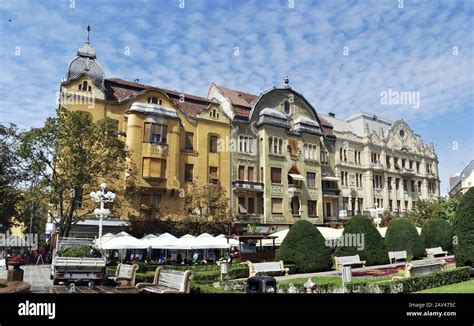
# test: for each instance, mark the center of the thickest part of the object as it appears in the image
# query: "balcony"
(294, 188)
(247, 185)
(407, 172)
(430, 175)
(154, 150)
(250, 218)
(331, 191)
(376, 166)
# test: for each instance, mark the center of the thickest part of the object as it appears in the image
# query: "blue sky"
(425, 47)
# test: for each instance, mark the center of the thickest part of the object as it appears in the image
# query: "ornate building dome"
(85, 64)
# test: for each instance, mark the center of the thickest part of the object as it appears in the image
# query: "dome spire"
(86, 50)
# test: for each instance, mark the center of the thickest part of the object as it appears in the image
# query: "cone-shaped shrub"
(402, 235)
(463, 229)
(437, 233)
(305, 247)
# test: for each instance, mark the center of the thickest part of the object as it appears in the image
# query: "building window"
(312, 208)
(345, 203)
(276, 175)
(375, 157)
(311, 179)
(357, 157)
(405, 185)
(417, 167)
(188, 172)
(153, 100)
(250, 174)
(342, 154)
(395, 163)
(286, 107)
(387, 161)
(242, 208)
(150, 200)
(397, 183)
(412, 186)
(324, 157)
(251, 205)
(213, 144)
(377, 182)
(359, 180)
(153, 168)
(214, 114)
(275, 145)
(406, 205)
(241, 172)
(398, 205)
(390, 205)
(389, 183)
(277, 206)
(310, 151)
(155, 133)
(213, 175)
(344, 178)
(419, 186)
(188, 141)
(246, 144)
(404, 163)
(360, 204)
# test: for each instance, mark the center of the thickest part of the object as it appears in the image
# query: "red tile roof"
(118, 89)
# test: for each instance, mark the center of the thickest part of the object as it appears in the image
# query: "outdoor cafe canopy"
(123, 240)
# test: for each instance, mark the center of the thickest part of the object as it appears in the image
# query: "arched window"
(84, 86)
(286, 107)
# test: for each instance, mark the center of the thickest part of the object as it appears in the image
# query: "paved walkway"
(38, 277)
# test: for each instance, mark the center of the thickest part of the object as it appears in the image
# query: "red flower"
(16, 260)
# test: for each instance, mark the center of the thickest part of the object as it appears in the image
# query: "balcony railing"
(250, 218)
(155, 150)
(331, 191)
(431, 175)
(376, 166)
(407, 171)
(294, 187)
(248, 185)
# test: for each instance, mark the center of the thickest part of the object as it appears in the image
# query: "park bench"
(266, 267)
(125, 276)
(433, 252)
(393, 256)
(348, 260)
(422, 267)
(168, 281)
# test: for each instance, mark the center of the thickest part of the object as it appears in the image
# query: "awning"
(296, 176)
(330, 178)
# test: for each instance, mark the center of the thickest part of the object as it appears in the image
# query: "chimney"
(452, 179)
(332, 114)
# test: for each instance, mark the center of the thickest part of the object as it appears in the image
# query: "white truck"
(75, 269)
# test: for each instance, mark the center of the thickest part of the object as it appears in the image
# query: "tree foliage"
(463, 229)
(373, 252)
(11, 174)
(437, 233)
(424, 210)
(305, 247)
(70, 155)
(402, 235)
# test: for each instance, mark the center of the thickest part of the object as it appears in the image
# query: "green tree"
(463, 229)
(11, 175)
(437, 233)
(70, 155)
(373, 251)
(305, 247)
(402, 235)
(424, 210)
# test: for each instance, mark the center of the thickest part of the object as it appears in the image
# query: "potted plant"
(15, 274)
(16, 262)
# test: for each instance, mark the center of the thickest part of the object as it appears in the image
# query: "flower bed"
(379, 272)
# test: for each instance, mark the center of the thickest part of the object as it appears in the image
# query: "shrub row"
(299, 288)
(412, 284)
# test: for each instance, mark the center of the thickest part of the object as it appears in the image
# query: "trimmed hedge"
(374, 252)
(412, 284)
(463, 229)
(207, 289)
(305, 247)
(402, 235)
(299, 288)
(437, 233)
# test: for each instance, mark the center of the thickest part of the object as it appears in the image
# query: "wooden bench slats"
(255, 268)
(167, 280)
(348, 260)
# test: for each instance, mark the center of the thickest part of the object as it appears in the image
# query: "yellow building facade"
(172, 137)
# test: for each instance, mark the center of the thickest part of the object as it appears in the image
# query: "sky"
(341, 55)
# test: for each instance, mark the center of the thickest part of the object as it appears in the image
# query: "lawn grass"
(463, 287)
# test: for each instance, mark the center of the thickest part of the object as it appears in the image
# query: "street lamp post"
(102, 197)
